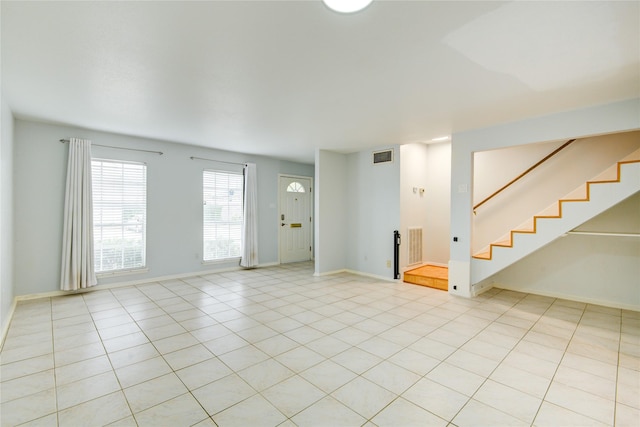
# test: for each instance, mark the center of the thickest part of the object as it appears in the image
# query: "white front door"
(295, 219)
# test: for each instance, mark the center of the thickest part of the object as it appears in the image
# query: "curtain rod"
(121, 148)
(219, 161)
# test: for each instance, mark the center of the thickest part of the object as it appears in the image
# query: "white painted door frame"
(281, 196)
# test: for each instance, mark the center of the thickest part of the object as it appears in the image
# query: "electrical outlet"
(388, 263)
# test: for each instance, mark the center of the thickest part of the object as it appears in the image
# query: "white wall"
(567, 170)
(438, 193)
(357, 208)
(373, 212)
(427, 167)
(598, 269)
(174, 202)
(6, 214)
(414, 173)
(330, 212)
(617, 117)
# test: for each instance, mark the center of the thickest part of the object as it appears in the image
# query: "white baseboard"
(481, 290)
(570, 297)
(482, 287)
(422, 264)
(268, 264)
(356, 272)
(5, 328)
(437, 264)
(373, 276)
(329, 273)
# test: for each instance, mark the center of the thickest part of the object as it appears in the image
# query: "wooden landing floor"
(429, 275)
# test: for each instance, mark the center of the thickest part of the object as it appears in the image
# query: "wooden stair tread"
(483, 255)
(524, 230)
(428, 275)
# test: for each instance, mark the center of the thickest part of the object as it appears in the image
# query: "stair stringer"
(601, 195)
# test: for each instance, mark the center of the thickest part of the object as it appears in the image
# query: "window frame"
(238, 205)
(126, 269)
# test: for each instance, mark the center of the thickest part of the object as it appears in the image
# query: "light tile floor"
(277, 346)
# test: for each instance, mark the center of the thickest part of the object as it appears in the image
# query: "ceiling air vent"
(385, 156)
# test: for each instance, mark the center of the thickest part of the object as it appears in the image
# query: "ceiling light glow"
(442, 138)
(347, 6)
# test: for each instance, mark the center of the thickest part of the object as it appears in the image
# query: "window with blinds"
(222, 215)
(119, 215)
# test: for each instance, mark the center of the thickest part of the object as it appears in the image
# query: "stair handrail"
(547, 157)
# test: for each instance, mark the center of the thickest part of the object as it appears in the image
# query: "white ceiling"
(280, 78)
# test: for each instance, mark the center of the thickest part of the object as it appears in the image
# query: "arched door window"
(295, 187)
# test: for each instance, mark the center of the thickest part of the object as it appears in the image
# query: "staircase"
(609, 188)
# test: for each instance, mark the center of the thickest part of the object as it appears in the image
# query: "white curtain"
(77, 240)
(250, 225)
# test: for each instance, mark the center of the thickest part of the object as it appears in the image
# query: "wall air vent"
(415, 245)
(385, 156)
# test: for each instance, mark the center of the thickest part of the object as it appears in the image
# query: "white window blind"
(222, 215)
(119, 215)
